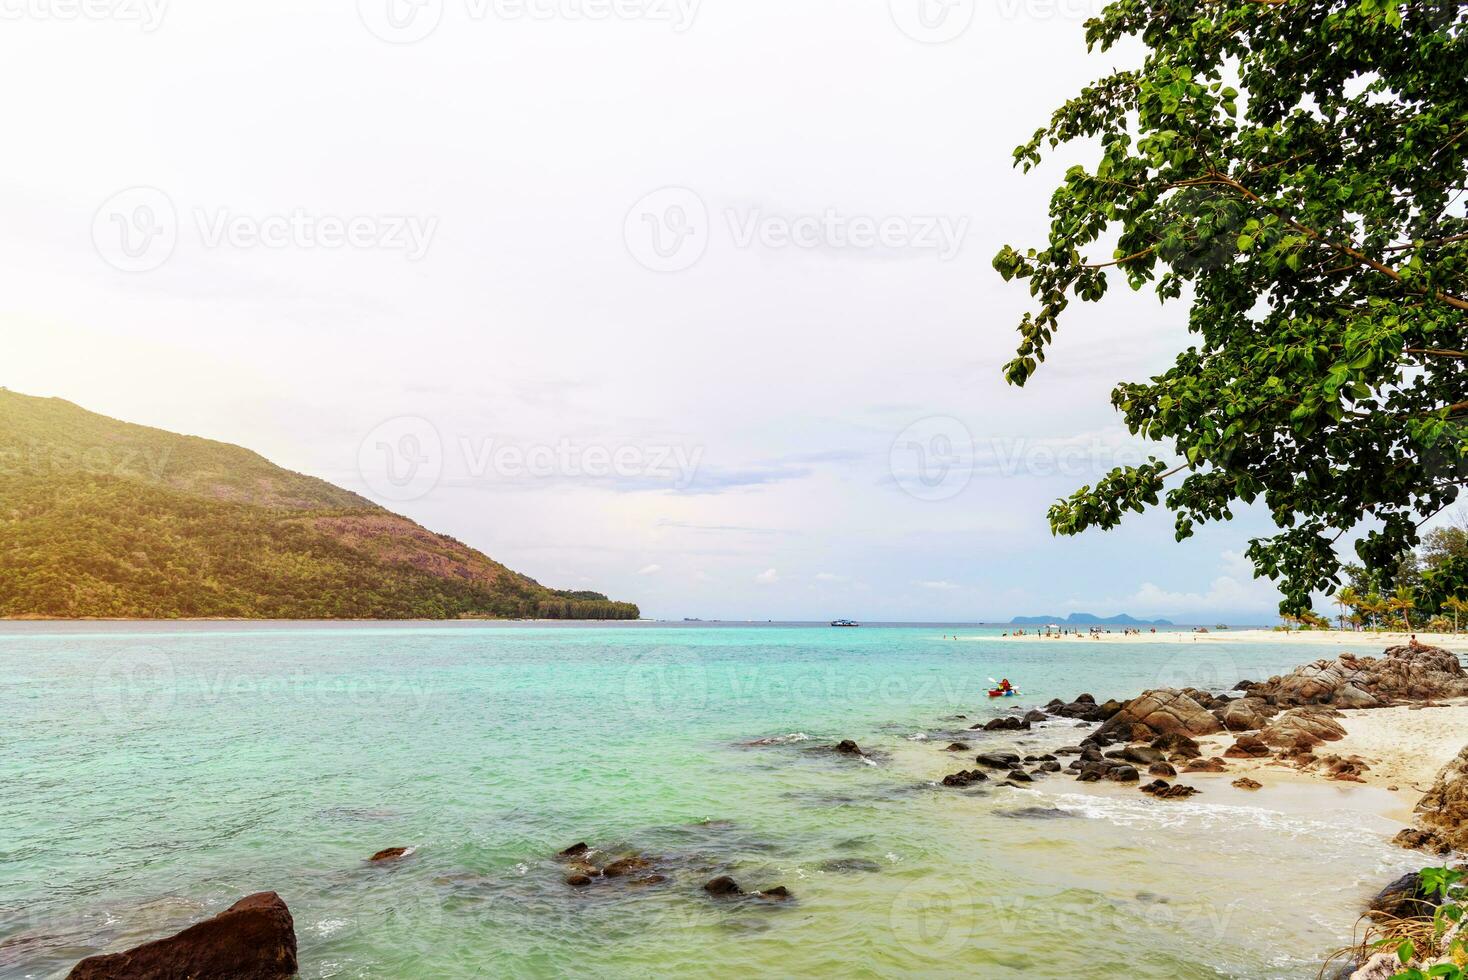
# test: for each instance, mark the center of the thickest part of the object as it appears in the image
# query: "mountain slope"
(100, 518)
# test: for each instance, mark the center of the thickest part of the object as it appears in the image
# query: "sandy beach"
(1405, 747)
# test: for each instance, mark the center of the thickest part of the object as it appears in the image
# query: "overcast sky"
(689, 303)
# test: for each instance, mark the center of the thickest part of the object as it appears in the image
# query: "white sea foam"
(328, 927)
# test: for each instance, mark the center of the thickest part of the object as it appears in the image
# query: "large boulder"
(1246, 714)
(1414, 672)
(1302, 727)
(1404, 898)
(1177, 745)
(1163, 712)
(253, 939)
(1443, 809)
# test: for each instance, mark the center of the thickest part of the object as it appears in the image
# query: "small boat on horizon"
(844, 622)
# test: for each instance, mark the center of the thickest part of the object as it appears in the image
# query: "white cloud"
(1234, 591)
(831, 577)
(939, 585)
(649, 569)
(767, 577)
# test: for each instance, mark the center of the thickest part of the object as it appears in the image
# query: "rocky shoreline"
(1287, 721)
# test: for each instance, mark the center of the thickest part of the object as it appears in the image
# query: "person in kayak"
(1005, 686)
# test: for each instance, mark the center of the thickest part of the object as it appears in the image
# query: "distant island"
(101, 519)
(1088, 619)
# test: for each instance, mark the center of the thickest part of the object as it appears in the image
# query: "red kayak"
(999, 692)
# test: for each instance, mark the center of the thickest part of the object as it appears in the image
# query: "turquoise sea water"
(155, 774)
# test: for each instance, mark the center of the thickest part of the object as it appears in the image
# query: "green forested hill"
(99, 518)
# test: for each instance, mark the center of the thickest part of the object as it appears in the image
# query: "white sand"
(1405, 747)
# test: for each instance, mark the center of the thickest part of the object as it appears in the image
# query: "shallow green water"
(153, 775)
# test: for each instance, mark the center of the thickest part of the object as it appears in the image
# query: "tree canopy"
(1293, 171)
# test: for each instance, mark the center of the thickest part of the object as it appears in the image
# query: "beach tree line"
(1427, 589)
(1292, 173)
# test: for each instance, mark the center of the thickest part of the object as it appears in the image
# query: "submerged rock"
(253, 939)
(1008, 724)
(1244, 782)
(957, 747)
(574, 851)
(1033, 813)
(847, 747)
(626, 866)
(998, 760)
(722, 886)
(1163, 769)
(849, 866)
(965, 777)
(388, 854)
(779, 893)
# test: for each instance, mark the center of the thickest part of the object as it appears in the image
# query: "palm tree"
(1457, 606)
(1403, 602)
(1346, 598)
(1373, 606)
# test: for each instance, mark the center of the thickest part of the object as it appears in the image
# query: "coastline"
(1322, 638)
